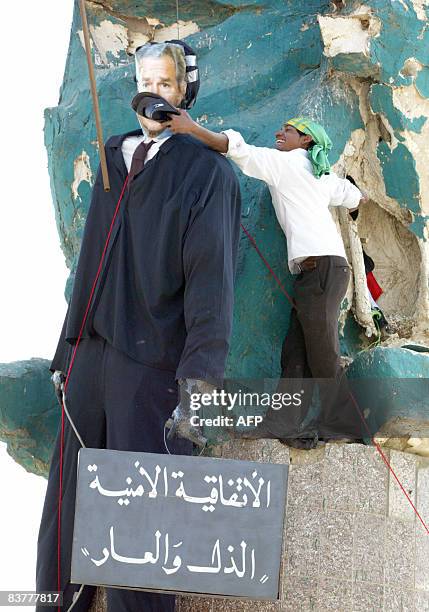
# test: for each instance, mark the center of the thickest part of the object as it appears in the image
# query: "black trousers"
(311, 350)
(115, 403)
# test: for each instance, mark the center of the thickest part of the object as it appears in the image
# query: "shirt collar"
(117, 140)
(115, 143)
(161, 138)
(299, 151)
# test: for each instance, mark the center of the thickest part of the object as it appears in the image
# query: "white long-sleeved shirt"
(301, 201)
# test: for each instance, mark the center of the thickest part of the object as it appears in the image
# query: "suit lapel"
(114, 144)
(114, 147)
(118, 160)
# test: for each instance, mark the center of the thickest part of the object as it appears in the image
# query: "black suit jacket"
(165, 292)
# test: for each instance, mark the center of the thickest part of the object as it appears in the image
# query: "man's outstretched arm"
(262, 163)
(184, 124)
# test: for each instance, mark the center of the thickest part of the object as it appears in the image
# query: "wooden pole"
(101, 150)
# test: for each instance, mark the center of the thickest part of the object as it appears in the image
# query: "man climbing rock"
(302, 186)
(161, 311)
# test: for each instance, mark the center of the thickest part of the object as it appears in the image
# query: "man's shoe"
(259, 432)
(302, 443)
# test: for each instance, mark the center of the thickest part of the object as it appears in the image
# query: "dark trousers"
(311, 350)
(115, 403)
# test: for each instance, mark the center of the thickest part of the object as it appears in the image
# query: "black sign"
(179, 523)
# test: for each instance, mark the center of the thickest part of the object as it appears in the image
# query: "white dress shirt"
(130, 144)
(301, 201)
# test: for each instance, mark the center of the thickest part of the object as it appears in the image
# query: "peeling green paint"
(418, 226)
(422, 82)
(400, 175)
(29, 413)
(402, 36)
(381, 99)
(356, 63)
(205, 12)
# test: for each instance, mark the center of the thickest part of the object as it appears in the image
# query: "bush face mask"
(192, 77)
(153, 107)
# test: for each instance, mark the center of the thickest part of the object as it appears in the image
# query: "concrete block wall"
(352, 541)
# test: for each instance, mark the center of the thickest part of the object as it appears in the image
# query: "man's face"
(158, 75)
(288, 138)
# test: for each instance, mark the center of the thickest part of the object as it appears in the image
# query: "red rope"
(383, 456)
(68, 378)
(60, 503)
(273, 274)
(386, 461)
(85, 316)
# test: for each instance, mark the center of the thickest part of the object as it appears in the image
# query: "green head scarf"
(318, 153)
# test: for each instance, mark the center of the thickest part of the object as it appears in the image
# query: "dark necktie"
(138, 160)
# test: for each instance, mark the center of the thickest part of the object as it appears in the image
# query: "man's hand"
(363, 200)
(58, 378)
(181, 124)
(179, 423)
(308, 264)
(184, 124)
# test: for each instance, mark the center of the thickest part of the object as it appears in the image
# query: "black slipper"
(301, 443)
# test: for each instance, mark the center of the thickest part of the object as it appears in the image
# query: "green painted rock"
(391, 384)
(29, 413)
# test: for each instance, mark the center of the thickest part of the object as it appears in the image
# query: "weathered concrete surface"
(351, 540)
(405, 434)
